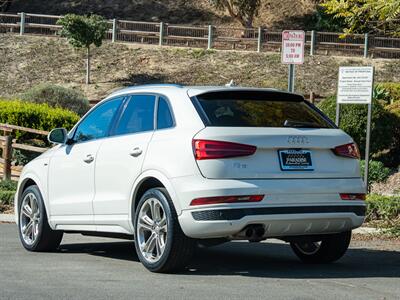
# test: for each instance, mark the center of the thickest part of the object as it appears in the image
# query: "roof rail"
(144, 86)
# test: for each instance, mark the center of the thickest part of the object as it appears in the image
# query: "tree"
(242, 10)
(362, 16)
(82, 32)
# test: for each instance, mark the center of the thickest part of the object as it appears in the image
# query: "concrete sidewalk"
(7, 218)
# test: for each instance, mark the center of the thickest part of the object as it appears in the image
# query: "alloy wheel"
(151, 231)
(29, 219)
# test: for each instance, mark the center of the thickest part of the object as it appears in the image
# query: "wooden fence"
(213, 37)
(8, 144)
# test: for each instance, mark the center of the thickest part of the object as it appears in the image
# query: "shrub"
(377, 171)
(394, 108)
(7, 192)
(6, 198)
(37, 116)
(353, 120)
(385, 210)
(8, 185)
(391, 157)
(382, 94)
(57, 96)
(393, 89)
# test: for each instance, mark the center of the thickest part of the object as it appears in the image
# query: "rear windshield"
(258, 109)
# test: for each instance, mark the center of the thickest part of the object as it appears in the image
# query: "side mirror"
(58, 136)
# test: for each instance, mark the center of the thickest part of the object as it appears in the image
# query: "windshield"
(259, 109)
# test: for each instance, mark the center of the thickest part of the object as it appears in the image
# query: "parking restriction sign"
(293, 47)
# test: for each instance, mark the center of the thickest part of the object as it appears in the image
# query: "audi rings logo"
(298, 140)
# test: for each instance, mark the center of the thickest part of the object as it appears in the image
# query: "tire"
(41, 238)
(329, 249)
(170, 250)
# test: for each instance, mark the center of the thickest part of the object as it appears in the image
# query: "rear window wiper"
(301, 124)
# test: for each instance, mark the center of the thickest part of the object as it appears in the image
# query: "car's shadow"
(261, 260)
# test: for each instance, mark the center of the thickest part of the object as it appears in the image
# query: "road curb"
(366, 230)
(7, 218)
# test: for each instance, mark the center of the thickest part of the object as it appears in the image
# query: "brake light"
(226, 199)
(356, 196)
(347, 150)
(207, 149)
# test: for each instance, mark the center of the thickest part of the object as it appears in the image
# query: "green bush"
(394, 108)
(37, 116)
(393, 89)
(57, 96)
(377, 171)
(8, 185)
(385, 212)
(391, 157)
(382, 94)
(353, 120)
(7, 192)
(6, 198)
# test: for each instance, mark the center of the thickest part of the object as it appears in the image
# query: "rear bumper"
(290, 206)
(229, 222)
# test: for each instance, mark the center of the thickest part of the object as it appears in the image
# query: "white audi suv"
(173, 167)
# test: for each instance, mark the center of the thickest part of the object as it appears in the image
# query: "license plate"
(295, 160)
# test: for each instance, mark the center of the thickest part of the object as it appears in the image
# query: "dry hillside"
(273, 14)
(27, 61)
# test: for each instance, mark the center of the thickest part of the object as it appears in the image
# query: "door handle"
(89, 158)
(136, 152)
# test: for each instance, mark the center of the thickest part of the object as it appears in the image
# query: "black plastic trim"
(239, 213)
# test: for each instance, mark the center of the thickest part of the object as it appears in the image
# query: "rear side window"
(164, 116)
(138, 115)
(259, 109)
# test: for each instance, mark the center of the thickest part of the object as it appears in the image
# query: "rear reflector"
(347, 150)
(352, 196)
(206, 149)
(227, 199)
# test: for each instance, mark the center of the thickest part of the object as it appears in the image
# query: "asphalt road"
(88, 268)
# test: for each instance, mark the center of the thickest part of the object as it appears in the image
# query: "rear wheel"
(329, 249)
(160, 243)
(34, 231)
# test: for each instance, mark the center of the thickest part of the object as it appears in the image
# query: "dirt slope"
(27, 61)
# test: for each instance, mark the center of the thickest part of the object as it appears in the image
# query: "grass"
(7, 192)
(29, 60)
(384, 212)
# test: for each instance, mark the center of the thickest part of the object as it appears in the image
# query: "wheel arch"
(147, 180)
(26, 181)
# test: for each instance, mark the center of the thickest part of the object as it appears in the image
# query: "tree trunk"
(88, 66)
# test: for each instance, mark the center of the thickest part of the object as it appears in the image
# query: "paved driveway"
(88, 268)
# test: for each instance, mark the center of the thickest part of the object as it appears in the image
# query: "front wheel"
(160, 242)
(34, 230)
(329, 249)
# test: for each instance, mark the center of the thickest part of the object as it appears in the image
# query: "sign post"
(292, 52)
(356, 87)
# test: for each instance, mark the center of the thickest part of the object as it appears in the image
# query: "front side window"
(97, 123)
(164, 116)
(260, 109)
(138, 115)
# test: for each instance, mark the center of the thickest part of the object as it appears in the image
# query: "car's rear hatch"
(292, 138)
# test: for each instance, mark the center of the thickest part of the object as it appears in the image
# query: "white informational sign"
(293, 47)
(355, 85)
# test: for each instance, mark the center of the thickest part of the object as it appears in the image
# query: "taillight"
(226, 199)
(207, 149)
(356, 196)
(347, 150)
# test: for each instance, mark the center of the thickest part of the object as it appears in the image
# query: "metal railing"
(213, 37)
